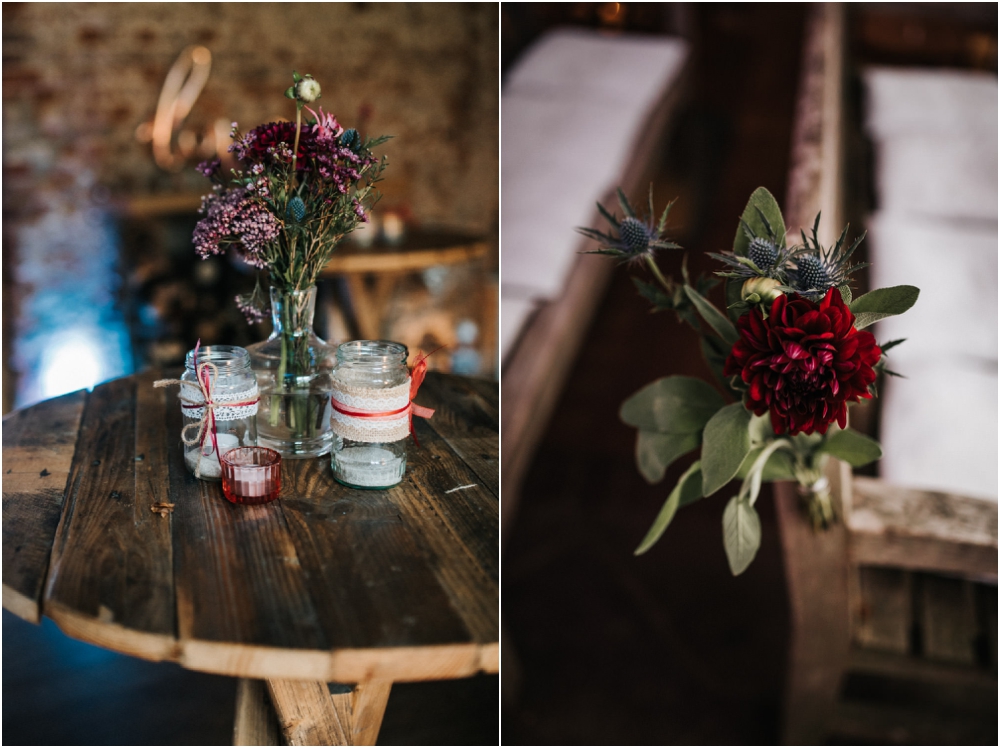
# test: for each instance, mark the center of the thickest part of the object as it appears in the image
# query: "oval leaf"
(779, 466)
(687, 490)
(852, 447)
(672, 405)
(763, 201)
(725, 443)
(740, 534)
(882, 303)
(655, 452)
(716, 319)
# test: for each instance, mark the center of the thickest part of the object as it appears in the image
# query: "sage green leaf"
(672, 405)
(882, 303)
(725, 444)
(763, 201)
(852, 447)
(654, 452)
(734, 295)
(740, 534)
(715, 319)
(715, 353)
(845, 293)
(687, 490)
(779, 466)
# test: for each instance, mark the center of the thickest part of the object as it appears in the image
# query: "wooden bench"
(900, 597)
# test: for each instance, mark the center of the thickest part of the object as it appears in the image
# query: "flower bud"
(307, 90)
(760, 290)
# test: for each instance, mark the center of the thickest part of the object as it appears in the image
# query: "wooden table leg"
(309, 714)
(256, 723)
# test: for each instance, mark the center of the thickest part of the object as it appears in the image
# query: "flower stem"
(295, 149)
(656, 272)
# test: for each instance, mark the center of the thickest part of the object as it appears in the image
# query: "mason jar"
(225, 369)
(371, 413)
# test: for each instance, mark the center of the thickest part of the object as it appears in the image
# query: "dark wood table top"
(327, 584)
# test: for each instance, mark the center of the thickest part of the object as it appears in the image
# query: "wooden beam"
(256, 722)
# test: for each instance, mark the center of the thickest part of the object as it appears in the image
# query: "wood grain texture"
(256, 722)
(38, 447)
(947, 612)
(107, 569)
(816, 573)
(368, 702)
(327, 584)
(885, 616)
(307, 714)
(467, 417)
(923, 530)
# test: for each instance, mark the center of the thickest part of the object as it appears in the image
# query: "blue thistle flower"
(762, 252)
(818, 269)
(766, 256)
(350, 139)
(296, 208)
(631, 238)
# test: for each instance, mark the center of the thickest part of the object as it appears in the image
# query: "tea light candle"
(209, 466)
(251, 475)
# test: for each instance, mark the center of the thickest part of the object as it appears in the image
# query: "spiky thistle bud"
(634, 235)
(811, 273)
(296, 208)
(762, 253)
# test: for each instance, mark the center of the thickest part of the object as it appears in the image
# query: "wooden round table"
(327, 584)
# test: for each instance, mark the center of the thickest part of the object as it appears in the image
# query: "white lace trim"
(222, 412)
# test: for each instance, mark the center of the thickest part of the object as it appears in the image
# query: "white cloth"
(572, 112)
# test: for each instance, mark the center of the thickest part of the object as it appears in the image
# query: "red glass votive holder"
(251, 475)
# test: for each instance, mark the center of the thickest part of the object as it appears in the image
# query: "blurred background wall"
(99, 274)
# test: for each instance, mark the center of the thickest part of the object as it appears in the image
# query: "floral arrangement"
(298, 191)
(790, 354)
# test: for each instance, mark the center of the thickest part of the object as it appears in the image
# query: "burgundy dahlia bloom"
(804, 363)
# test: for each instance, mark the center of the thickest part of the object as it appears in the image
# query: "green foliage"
(654, 452)
(845, 293)
(715, 319)
(852, 447)
(687, 490)
(779, 466)
(882, 303)
(763, 218)
(672, 405)
(740, 534)
(725, 444)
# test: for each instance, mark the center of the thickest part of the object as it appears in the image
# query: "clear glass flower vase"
(293, 374)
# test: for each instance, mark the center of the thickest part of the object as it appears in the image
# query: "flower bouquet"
(789, 355)
(298, 189)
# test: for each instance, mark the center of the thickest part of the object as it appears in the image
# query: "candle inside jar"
(210, 467)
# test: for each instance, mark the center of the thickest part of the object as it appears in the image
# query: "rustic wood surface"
(923, 530)
(326, 584)
(256, 721)
(38, 450)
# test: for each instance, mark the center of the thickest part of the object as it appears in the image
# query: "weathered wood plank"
(368, 702)
(947, 613)
(467, 417)
(38, 447)
(370, 582)
(107, 581)
(816, 573)
(877, 724)
(916, 669)
(242, 604)
(987, 598)
(886, 610)
(459, 531)
(923, 530)
(307, 713)
(256, 722)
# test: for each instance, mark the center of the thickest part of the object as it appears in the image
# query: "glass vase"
(293, 374)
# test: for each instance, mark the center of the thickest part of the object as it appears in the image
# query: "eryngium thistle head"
(762, 253)
(635, 235)
(631, 239)
(811, 273)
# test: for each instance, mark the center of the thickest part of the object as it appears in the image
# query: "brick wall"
(80, 78)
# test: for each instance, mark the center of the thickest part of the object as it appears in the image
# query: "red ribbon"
(205, 379)
(417, 374)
